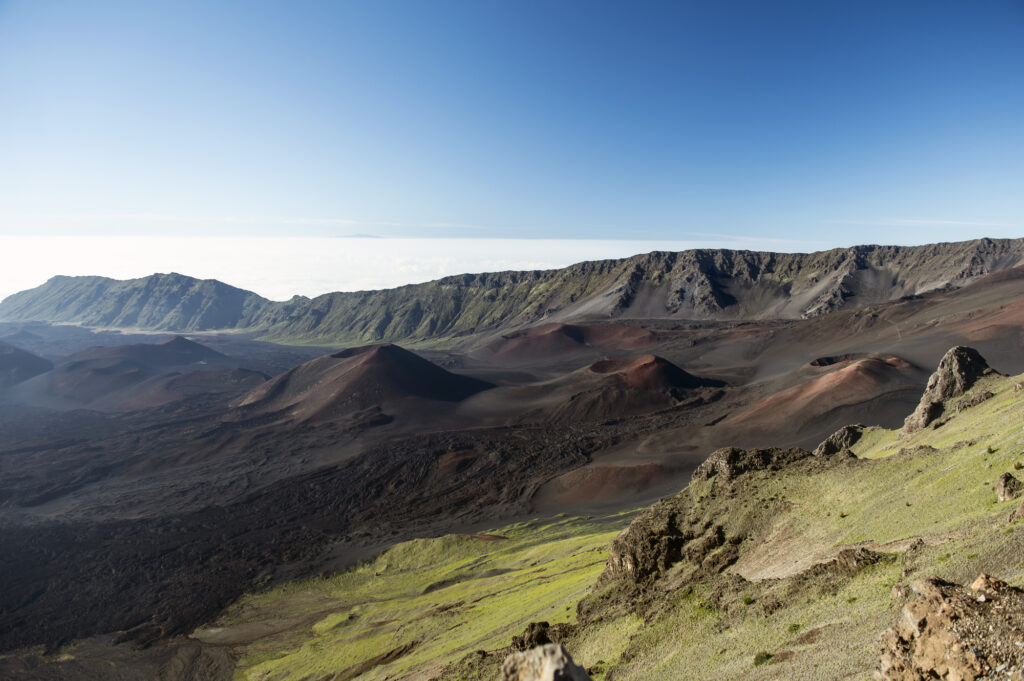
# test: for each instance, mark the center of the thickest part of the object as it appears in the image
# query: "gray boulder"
(842, 439)
(549, 662)
(1008, 487)
(958, 370)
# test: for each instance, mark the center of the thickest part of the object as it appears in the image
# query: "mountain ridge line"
(702, 284)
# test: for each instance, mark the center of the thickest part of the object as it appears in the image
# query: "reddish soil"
(650, 372)
(849, 383)
(356, 379)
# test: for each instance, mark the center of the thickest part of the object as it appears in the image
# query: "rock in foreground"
(958, 633)
(549, 662)
(1008, 487)
(842, 439)
(958, 370)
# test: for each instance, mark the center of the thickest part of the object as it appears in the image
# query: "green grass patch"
(935, 485)
(443, 598)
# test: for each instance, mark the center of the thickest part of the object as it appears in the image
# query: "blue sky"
(814, 122)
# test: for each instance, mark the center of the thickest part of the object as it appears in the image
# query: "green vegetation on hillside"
(825, 554)
(924, 505)
(428, 602)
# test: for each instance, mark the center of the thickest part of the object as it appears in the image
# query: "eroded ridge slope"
(698, 284)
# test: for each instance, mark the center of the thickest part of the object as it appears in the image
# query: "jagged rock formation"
(539, 634)
(844, 438)
(730, 462)
(958, 370)
(953, 632)
(698, 284)
(549, 662)
(695, 530)
(1008, 487)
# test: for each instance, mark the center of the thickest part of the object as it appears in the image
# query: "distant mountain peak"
(701, 284)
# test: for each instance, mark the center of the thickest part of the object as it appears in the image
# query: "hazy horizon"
(280, 267)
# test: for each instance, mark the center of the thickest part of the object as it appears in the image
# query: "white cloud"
(277, 268)
(176, 218)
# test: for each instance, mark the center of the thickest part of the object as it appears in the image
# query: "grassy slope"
(813, 625)
(447, 597)
(826, 628)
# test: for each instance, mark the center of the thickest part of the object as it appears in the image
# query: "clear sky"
(818, 121)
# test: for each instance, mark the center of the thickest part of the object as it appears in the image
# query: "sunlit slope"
(813, 559)
(826, 551)
(419, 606)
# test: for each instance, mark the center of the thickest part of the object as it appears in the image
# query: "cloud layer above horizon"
(278, 268)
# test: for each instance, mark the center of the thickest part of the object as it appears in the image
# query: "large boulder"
(955, 632)
(730, 462)
(535, 634)
(549, 662)
(958, 370)
(839, 441)
(541, 633)
(1008, 487)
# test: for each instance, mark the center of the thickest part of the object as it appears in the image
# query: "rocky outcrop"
(539, 634)
(958, 370)
(730, 462)
(701, 534)
(549, 662)
(953, 632)
(974, 400)
(668, 533)
(839, 441)
(1008, 487)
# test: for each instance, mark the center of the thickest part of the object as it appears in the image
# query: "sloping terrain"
(17, 365)
(137, 376)
(358, 379)
(164, 302)
(838, 385)
(770, 564)
(544, 341)
(701, 284)
(175, 352)
(138, 526)
(258, 494)
(612, 388)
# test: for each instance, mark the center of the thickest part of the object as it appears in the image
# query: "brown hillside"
(356, 379)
